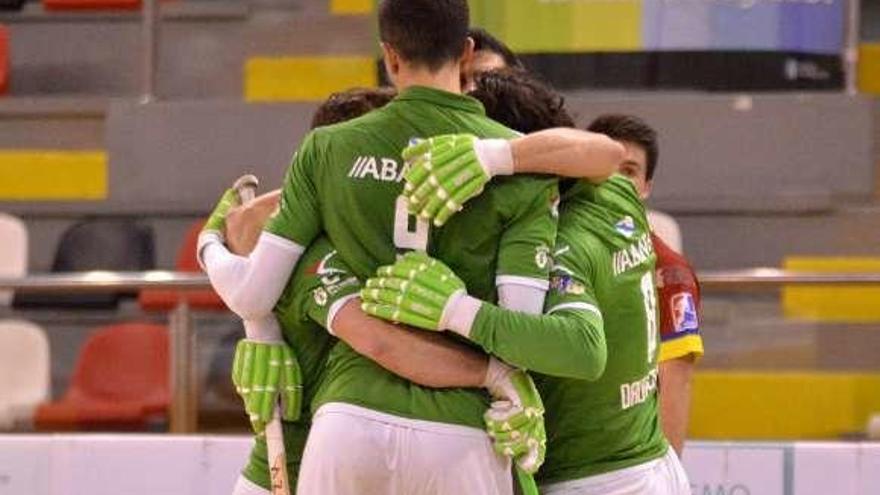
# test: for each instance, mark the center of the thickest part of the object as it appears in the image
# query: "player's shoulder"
(668, 257)
(673, 269)
(574, 239)
(345, 128)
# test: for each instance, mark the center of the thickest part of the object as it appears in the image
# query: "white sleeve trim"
(522, 298)
(576, 305)
(459, 314)
(251, 286)
(334, 308)
(538, 283)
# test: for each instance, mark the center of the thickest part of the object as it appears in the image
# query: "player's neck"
(446, 79)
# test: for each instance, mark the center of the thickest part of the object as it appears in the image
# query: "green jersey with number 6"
(346, 181)
(604, 259)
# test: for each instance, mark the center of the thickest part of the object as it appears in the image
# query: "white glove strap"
(496, 381)
(495, 156)
(459, 313)
(264, 330)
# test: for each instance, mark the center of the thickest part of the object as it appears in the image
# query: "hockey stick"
(246, 188)
(526, 482)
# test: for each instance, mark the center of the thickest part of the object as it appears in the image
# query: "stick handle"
(526, 482)
(246, 187)
(277, 456)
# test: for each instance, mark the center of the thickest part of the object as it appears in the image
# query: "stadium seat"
(120, 382)
(13, 251)
(4, 52)
(24, 371)
(115, 245)
(164, 300)
(61, 5)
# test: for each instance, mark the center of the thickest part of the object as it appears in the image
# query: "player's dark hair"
(350, 104)
(428, 33)
(631, 129)
(483, 40)
(520, 101)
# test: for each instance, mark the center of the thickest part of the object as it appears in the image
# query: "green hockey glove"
(446, 171)
(417, 290)
(263, 374)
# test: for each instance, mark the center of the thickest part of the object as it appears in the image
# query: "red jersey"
(679, 297)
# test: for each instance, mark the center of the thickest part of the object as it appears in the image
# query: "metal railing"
(184, 403)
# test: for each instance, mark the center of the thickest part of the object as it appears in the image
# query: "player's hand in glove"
(217, 219)
(517, 433)
(446, 171)
(515, 422)
(417, 290)
(262, 373)
(215, 227)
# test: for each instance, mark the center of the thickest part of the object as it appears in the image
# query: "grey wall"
(753, 153)
(202, 54)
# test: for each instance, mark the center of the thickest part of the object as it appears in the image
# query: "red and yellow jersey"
(679, 296)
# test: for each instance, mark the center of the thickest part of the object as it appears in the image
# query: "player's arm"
(250, 286)
(429, 360)
(424, 359)
(680, 346)
(675, 399)
(569, 341)
(564, 152)
(446, 171)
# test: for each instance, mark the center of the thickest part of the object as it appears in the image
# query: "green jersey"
(319, 281)
(604, 259)
(346, 181)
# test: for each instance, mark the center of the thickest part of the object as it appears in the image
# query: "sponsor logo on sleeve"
(333, 279)
(684, 313)
(626, 227)
(542, 257)
(565, 284)
(320, 296)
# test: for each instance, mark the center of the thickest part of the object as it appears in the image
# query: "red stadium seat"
(121, 382)
(61, 5)
(164, 300)
(4, 59)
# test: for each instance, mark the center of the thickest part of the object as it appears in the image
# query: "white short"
(663, 476)
(357, 451)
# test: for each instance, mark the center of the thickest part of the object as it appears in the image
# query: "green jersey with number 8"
(604, 259)
(346, 181)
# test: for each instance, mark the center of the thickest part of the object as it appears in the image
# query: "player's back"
(611, 423)
(354, 172)
(346, 182)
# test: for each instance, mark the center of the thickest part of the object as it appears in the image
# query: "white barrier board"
(190, 465)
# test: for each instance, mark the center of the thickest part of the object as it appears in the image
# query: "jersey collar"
(443, 98)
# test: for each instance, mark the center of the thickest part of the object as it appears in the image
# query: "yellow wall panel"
(612, 25)
(46, 175)
(832, 303)
(869, 68)
(785, 406)
(351, 7)
(306, 78)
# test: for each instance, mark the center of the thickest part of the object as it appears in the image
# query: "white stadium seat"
(13, 252)
(24, 371)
